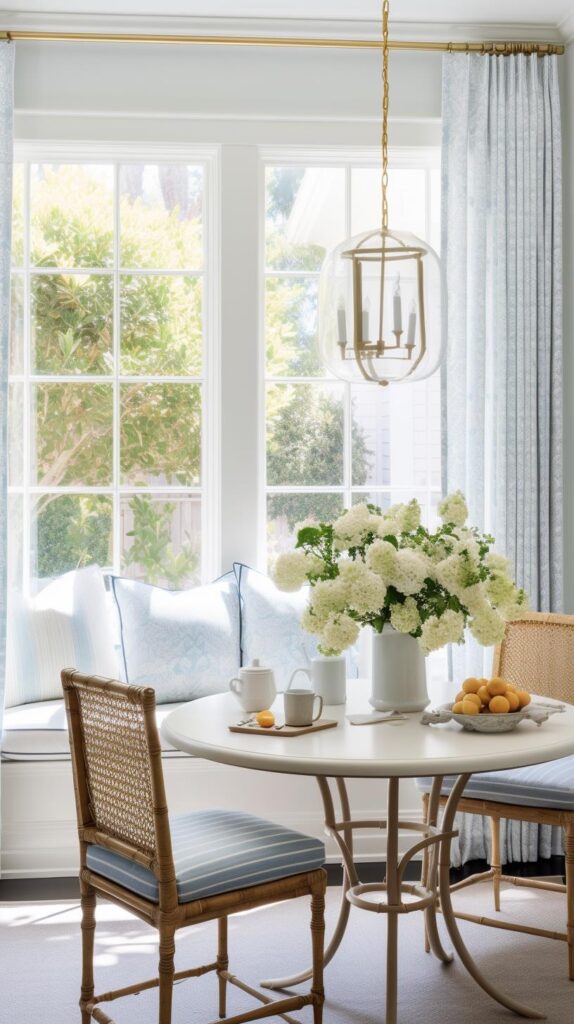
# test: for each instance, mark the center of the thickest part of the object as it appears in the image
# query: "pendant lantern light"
(380, 293)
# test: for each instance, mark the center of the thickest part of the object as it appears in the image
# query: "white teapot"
(255, 688)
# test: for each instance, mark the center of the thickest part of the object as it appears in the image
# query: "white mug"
(300, 707)
(255, 687)
(328, 677)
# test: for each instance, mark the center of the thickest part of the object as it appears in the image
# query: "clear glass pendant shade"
(380, 308)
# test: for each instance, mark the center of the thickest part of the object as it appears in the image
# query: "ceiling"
(549, 12)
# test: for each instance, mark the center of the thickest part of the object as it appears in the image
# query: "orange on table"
(457, 707)
(265, 719)
(512, 698)
(474, 697)
(524, 698)
(499, 705)
(484, 694)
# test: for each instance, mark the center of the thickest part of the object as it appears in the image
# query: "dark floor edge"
(14, 890)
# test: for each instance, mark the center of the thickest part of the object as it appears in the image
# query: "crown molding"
(567, 28)
(355, 28)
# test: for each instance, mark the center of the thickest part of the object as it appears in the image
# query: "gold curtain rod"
(496, 48)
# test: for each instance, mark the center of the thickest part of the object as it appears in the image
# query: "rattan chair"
(538, 654)
(125, 833)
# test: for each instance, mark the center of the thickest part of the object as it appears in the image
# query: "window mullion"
(116, 509)
(28, 395)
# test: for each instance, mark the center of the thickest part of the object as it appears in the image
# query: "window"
(109, 363)
(330, 444)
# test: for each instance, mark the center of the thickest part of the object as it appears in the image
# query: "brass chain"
(385, 134)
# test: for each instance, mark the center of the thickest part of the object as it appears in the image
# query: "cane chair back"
(118, 778)
(537, 654)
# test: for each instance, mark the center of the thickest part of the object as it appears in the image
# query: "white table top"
(402, 749)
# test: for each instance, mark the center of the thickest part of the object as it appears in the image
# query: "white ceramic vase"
(398, 672)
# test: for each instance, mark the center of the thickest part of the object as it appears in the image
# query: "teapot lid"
(255, 664)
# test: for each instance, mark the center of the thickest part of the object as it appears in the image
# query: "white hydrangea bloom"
(290, 570)
(365, 589)
(310, 622)
(457, 573)
(405, 617)
(453, 509)
(328, 596)
(487, 627)
(498, 563)
(381, 557)
(350, 529)
(410, 516)
(474, 598)
(516, 608)
(500, 590)
(410, 571)
(464, 540)
(338, 633)
(438, 631)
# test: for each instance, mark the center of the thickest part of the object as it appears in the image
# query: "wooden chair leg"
(166, 971)
(222, 963)
(569, 855)
(318, 943)
(425, 864)
(88, 903)
(495, 864)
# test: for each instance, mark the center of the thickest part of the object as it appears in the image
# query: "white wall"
(568, 122)
(220, 94)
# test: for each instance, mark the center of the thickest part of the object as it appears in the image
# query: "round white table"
(392, 751)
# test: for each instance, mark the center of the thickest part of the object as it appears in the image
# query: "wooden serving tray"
(286, 730)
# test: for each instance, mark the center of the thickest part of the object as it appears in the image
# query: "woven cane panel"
(539, 657)
(118, 767)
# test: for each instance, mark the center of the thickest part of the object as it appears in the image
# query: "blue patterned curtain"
(502, 375)
(6, 161)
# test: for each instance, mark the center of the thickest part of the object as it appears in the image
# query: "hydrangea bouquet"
(373, 567)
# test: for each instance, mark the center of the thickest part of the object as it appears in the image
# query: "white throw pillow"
(66, 625)
(183, 643)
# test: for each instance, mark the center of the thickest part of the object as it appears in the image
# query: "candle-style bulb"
(365, 319)
(341, 323)
(412, 325)
(397, 307)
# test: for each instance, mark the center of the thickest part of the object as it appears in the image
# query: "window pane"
(161, 539)
(384, 499)
(286, 511)
(406, 196)
(291, 327)
(73, 434)
(304, 215)
(17, 324)
(71, 330)
(16, 394)
(305, 435)
(160, 216)
(161, 331)
(72, 215)
(17, 241)
(396, 435)
(71, 530)
(160, 434)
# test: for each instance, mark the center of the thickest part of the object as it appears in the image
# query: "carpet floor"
(40, 963)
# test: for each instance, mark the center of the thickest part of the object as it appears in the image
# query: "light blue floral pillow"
(271, 627)
(183, 643)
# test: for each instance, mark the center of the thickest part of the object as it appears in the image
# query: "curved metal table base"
(424, 896)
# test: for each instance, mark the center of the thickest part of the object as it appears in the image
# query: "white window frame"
(208, 157)
(412, 157)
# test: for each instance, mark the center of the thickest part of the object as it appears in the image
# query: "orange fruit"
(460, 695)
(496, 687)
(471, 685)
(469, 707)
(265, 719)
(484, 694)
(457, 708)
(474, 697)
(499, 705)
(512, 687)
(512, 699)
(524, 698)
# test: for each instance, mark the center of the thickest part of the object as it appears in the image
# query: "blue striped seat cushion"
(215, 852)
(539, 785)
